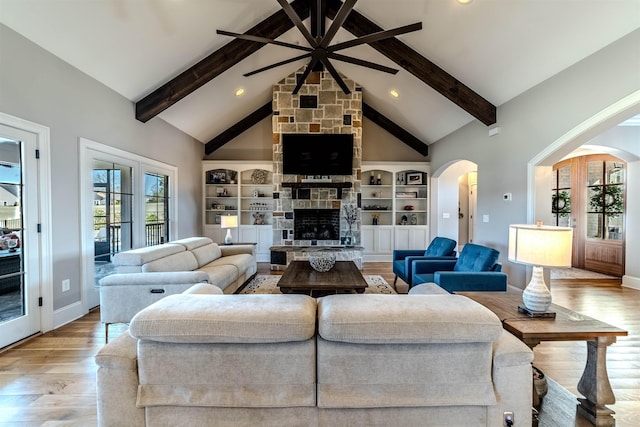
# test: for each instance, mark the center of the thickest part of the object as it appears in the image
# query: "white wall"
(529, 124)
(39, 87)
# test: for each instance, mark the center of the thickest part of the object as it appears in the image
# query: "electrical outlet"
(508, 419)
(66, 285)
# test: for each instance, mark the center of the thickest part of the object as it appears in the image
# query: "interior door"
(19, 248)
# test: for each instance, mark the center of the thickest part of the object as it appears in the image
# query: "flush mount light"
(240, 92)
(464, 1)
(394, 93)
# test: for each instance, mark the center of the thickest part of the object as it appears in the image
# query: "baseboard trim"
(68, 314)
(631, 282)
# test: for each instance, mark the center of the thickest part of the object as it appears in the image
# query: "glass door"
(19, 284)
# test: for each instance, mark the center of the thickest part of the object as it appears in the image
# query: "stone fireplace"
(312, 214)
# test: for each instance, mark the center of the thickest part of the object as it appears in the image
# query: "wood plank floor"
(50, 379)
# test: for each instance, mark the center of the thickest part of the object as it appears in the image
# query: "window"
(605, 200)
(561, 196)
(156, 208)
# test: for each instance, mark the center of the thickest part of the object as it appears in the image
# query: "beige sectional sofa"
(291, 360)
(148, 274)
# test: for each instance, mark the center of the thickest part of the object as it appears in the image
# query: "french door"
(19, 244)
(589, 195)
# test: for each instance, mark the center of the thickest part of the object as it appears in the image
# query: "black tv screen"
(317, 154)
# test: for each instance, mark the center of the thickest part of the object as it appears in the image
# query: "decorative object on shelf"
(351, 216)
(408, 208)
(406, 195)
(414, 178)
(413, 219)
(228, 222)
(322, 261)
(259, 176)
(375, 208)
(371, 179)
(374, 219)
(258, 218)
(401, 175)
(539, 246)
(379, 180)
(232, 177)
(403, 220)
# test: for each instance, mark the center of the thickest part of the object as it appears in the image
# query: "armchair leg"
(395, 279)
(106, 333)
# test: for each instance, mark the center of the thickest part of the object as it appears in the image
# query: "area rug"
(267, 284)
(576, 273)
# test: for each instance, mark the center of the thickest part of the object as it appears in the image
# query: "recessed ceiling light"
(240, 92)
(394, 93)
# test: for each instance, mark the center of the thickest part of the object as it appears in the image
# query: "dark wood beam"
(419, 66)
(395, 130)
(260, 114)
(216, 63)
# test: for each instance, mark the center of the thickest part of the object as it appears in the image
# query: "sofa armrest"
(204, 289)
(155, 278)
(399, 254)
(471, 281)
(433, 265)
(228, 250)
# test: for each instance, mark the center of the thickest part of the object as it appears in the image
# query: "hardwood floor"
(49, 380)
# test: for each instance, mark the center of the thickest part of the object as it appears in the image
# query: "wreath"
(607, 199)
(561, 204)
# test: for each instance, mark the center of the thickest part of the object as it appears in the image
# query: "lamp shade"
(229, 221)
(540, 245)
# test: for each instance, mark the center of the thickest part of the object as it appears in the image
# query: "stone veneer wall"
(336, 112)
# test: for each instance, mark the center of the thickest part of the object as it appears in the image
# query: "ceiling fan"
(320, 50)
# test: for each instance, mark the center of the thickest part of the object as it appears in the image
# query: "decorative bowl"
(322, 261)
(408, 208)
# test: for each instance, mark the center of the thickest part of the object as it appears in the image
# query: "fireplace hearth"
(316, 224)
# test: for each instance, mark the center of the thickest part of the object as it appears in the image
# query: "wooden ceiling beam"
(394, 129)
(419, 66)
(252, 119)
(216, 63)
(267, 109)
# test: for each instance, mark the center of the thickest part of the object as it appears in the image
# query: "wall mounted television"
(317, 154)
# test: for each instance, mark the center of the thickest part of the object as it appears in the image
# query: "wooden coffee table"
(568, 325)
(301, 278)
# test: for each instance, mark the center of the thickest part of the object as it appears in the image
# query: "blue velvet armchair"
(477, 269)
(440, 247)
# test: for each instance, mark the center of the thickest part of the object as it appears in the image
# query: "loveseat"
(148, 274)
(292, 360)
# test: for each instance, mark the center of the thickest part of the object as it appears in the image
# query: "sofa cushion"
(399, 319)
(242, 262)
(191, 243)
(140, 256)
(227, 319)
(207, 253)
(221, 275)
(182, 261)
(476, 258)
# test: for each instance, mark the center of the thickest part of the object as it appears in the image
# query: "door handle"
(157, 291)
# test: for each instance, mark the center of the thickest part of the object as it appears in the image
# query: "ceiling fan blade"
(297, 22)
(336, 76)
(362, 63)
(263, 40)
(307, 71)
(339, 19)
(277, 64)
(374, 37)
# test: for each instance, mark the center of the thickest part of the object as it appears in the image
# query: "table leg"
(594, 384)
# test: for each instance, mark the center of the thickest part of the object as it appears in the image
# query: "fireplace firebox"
(316, 224)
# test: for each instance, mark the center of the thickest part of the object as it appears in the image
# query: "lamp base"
(228, 239)
(536, 295)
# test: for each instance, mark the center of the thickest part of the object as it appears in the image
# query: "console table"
(568, 325)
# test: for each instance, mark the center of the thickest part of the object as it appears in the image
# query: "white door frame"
(43, 213)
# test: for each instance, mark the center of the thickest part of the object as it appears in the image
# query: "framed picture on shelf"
(414, 178)
(407, 195)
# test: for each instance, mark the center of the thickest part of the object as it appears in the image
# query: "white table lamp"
(539, 246)
(228, 222)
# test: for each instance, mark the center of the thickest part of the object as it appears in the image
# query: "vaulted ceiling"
(165, 55)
